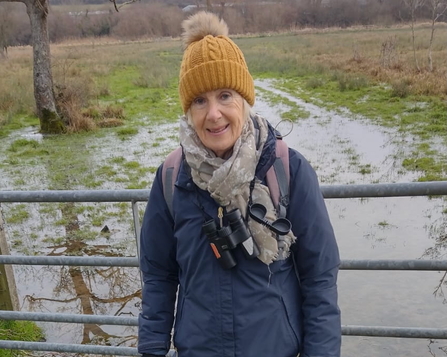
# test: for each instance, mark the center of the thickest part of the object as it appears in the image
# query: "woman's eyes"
(199, 101)
(225, 96)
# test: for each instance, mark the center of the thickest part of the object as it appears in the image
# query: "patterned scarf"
(228, 181)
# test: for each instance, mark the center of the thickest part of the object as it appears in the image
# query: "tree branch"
(34, 299)
(123, 299)
(117, 7)
(438, 290)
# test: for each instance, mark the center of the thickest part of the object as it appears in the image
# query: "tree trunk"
(413, 40)
(438, 8)
(50, 121)
(430, 45)
(6, 28)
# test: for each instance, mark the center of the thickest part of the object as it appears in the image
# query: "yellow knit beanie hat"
(211, 60)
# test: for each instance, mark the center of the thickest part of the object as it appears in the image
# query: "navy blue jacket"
(251, 310)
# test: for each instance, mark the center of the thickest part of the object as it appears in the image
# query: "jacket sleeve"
(159, 271)
(317, 261)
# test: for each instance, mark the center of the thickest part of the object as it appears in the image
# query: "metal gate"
(134, 196)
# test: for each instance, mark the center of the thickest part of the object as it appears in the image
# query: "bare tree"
(119, 6)
(5, 25)
(413, 6)
(437, 9)
(50, 121)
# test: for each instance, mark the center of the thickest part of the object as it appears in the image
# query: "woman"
(255, 305)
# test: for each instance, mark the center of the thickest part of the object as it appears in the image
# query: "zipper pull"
(220, 215)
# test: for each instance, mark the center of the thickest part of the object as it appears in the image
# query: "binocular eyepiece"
(223, 240)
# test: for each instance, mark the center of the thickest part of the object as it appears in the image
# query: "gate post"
(8, 291)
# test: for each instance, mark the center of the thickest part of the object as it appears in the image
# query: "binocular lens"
(280, 226)
(219, 244)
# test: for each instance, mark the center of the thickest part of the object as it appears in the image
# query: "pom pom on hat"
(211, 60)
(201, 24)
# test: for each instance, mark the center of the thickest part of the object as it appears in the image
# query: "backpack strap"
(278, 178)
(170, 170)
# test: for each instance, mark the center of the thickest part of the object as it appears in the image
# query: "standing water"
(348, 150)
(343, 150)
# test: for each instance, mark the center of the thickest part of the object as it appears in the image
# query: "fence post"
(9, 299)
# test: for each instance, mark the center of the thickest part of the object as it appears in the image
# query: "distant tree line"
(163, 19)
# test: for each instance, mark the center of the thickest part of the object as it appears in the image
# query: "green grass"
(126, 132)
(151, 99)
(365, 169)
(383, 224)
(17, 213)
(16, 122)
(132, 164)
(18, 331)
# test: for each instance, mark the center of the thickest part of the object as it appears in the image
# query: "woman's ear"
(247, 110)
(189, 117)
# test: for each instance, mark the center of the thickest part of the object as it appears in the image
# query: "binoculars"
(223, 240)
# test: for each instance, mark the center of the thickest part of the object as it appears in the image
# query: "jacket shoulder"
(169, 174)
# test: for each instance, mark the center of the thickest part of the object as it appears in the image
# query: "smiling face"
(218, 118)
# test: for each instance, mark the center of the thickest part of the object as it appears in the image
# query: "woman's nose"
(213, 110)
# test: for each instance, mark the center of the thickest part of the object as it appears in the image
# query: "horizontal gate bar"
(429, 265)
(329, 191)
(61, 347)
(75, 196)
(348, 330)
(69, 318)
(403, 332)
(366, 331)
(433, 188)
(69, 260)
(432, 265)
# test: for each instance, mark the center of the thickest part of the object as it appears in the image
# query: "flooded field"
(343, 149)
(347, 150)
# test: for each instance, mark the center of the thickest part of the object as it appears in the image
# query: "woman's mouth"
(219, 130)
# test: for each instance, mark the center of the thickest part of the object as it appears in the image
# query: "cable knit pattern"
(211, 61)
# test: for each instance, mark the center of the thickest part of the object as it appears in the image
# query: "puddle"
(49, 230)
(339, 146)
(342, 148)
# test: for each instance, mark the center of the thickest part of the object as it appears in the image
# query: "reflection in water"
(85, 290)
(434, 348)
(78, 283)
(438, 233)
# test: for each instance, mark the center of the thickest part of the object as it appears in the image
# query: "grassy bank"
(18, 330)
